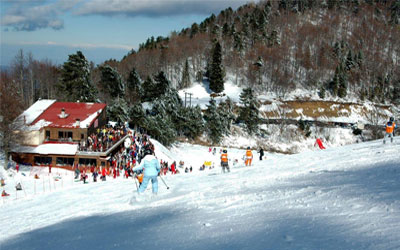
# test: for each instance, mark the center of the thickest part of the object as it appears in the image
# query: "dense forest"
(340, 48)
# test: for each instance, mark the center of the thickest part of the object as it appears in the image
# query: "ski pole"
(163, 181)
(137, 188)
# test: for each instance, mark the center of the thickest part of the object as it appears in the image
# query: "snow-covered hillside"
(339, 198)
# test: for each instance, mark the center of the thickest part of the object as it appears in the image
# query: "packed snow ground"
(340, 198)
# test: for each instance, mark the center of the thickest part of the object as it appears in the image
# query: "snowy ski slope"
(339, 198)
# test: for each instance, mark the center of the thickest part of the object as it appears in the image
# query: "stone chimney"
(78, 122)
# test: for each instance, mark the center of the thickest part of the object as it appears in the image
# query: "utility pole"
(190, 98)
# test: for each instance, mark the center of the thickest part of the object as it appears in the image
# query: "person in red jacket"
(17, 167)
(173, 168)
(103, 174)
(319, 142)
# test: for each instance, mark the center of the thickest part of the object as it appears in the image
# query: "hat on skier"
(391, 119)
(148, 150)
(248, 147)
(225, 151)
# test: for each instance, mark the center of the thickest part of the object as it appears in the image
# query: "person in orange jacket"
(390, 126)
(249, 157)
(224, 160)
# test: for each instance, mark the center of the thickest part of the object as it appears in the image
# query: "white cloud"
(82, 45)
(156, 7)
(33, 15)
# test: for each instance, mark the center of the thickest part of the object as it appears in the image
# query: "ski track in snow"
(339, 198)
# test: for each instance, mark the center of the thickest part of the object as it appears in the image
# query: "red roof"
(73, 111)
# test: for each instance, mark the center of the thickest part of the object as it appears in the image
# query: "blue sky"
(101, 29)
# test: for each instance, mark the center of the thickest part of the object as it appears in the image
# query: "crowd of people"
(103, 139)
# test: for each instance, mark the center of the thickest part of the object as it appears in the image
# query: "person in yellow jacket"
(224, 160)
(249, 157)
(390, 126)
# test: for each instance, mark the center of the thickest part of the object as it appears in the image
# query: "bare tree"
(10, 107)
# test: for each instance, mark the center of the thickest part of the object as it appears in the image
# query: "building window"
(87, 162)
(65, 135)
(47, 134)
(82, 136)
(40, 160)
(61, 161)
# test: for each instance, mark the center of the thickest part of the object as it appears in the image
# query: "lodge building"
(53, 133)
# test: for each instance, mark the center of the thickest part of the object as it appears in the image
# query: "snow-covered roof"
(48, 113)
(49, 148)
(32, 113)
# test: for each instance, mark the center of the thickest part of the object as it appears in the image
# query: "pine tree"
(118, 111)
(216, 70)
(185, 83)
(214, 126)
(149, 87)
(75, 84)
(111, 81)
(225, 111)
(321, 92)
(134, 86)
(161, 84)
(191, 123)
(396, 92)
(136, 115)
(160, 127)
(342, 90)
(249, 110)
(350, 61)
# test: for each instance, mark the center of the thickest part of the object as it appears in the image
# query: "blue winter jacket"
(150, 165)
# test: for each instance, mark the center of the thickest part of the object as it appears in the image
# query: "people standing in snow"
(261, 152)
(224, 161)
(390, 126)
(249, 157)
(3, 194)
(94, 175)
(150, 167)
(173, 168)
(103, 174)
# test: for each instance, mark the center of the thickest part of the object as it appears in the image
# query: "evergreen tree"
(75, 84)
(185, 83)
(136, 115)
(214, 125)
(161, 84)
(134, 86)
(118, 111)
(249, 110)
(111, 81)
(350, 62)
(225, 111)
(342, 90)
(194, 30)
(149, 87)
(192, 123)
(321, 92)
(216, 76)
(396, 92)
(159, 127)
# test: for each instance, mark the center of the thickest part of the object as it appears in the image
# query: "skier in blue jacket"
(151, 168)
